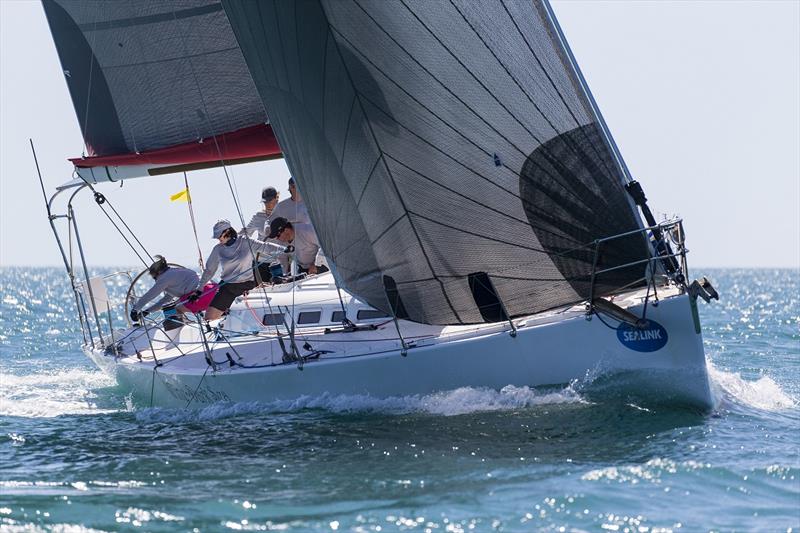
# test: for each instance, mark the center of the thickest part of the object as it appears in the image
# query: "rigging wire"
(100, 199)
(194, 224)
(121, 219)
(224, 164)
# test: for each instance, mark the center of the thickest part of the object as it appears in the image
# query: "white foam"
(53, 393)
(460, 401)
(763, 393)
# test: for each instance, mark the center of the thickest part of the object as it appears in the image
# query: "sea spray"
(461, 401)
(53, 393)
(763, 393)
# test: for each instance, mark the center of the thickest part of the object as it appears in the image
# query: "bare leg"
(212, 313)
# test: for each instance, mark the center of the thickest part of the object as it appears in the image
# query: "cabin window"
(370, 314)
(337, 316)
(272, 319)
(309, 317)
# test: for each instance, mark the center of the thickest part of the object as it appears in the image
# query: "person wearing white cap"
(234, 254)
(293, 208)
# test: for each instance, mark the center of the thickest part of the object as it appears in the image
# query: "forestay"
(157, 83)
(441, 144)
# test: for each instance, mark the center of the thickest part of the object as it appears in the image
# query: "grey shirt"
(237, 260)
(260, 224)
(174, 282)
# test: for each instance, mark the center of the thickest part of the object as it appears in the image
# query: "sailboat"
(481, 225)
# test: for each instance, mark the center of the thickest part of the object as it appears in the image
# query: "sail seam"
(461, 230)
(283, 48)
(347, 128)
(151, 19)
(549, 78)
(324, 78)
(168, 60)
(455, 192)
(476, 173)
(384, 232)
(389, 174)
(366, 183)
(554, 162)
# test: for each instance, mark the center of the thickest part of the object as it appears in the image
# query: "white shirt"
(306, 246)
(294, 212)
(236, 260)
(260, 224)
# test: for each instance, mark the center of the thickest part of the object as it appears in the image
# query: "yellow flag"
(182, 196)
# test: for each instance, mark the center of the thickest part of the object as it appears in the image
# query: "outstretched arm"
(212, 264)
(155, 290)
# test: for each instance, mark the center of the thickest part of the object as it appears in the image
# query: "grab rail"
(668, 228)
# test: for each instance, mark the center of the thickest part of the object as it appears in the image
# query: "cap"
(291, 180)
(159, 265)
(268, 194)
(277, 226)
(220, 227)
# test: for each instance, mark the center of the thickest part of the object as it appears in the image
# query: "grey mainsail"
(149, 74)
(442, 142)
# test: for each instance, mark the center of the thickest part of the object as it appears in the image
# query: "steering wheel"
(131, 295)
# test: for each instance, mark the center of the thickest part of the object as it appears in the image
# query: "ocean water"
(77, 455)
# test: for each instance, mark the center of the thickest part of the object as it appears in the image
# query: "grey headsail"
(148, 74)
(440, 144)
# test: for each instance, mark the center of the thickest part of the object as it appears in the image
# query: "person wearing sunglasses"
(303, 239)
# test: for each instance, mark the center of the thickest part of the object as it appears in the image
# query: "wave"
(764, 393)
(464, 400)
(53, 393)
(75, 392)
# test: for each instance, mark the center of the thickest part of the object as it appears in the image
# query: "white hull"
(550, 349)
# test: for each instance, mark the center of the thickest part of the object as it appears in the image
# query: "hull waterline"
(550, 352)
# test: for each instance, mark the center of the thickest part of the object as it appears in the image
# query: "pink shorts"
(201, 304)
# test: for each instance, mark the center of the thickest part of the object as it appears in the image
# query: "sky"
(702, 98)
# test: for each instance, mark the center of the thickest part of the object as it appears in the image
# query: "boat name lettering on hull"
(650, 338)
(202, 394)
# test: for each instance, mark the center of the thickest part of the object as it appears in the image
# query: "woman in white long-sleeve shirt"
(234, 254)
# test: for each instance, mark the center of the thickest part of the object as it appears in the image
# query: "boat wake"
(54, 393)
(81, 392)
(464, 400)
(764, 393)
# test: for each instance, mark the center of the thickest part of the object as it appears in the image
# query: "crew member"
(234, 254)
(304, 240)
(293, 208)
(177, 283)
(260, 221)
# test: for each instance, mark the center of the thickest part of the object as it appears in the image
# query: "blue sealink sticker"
(648, 339)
